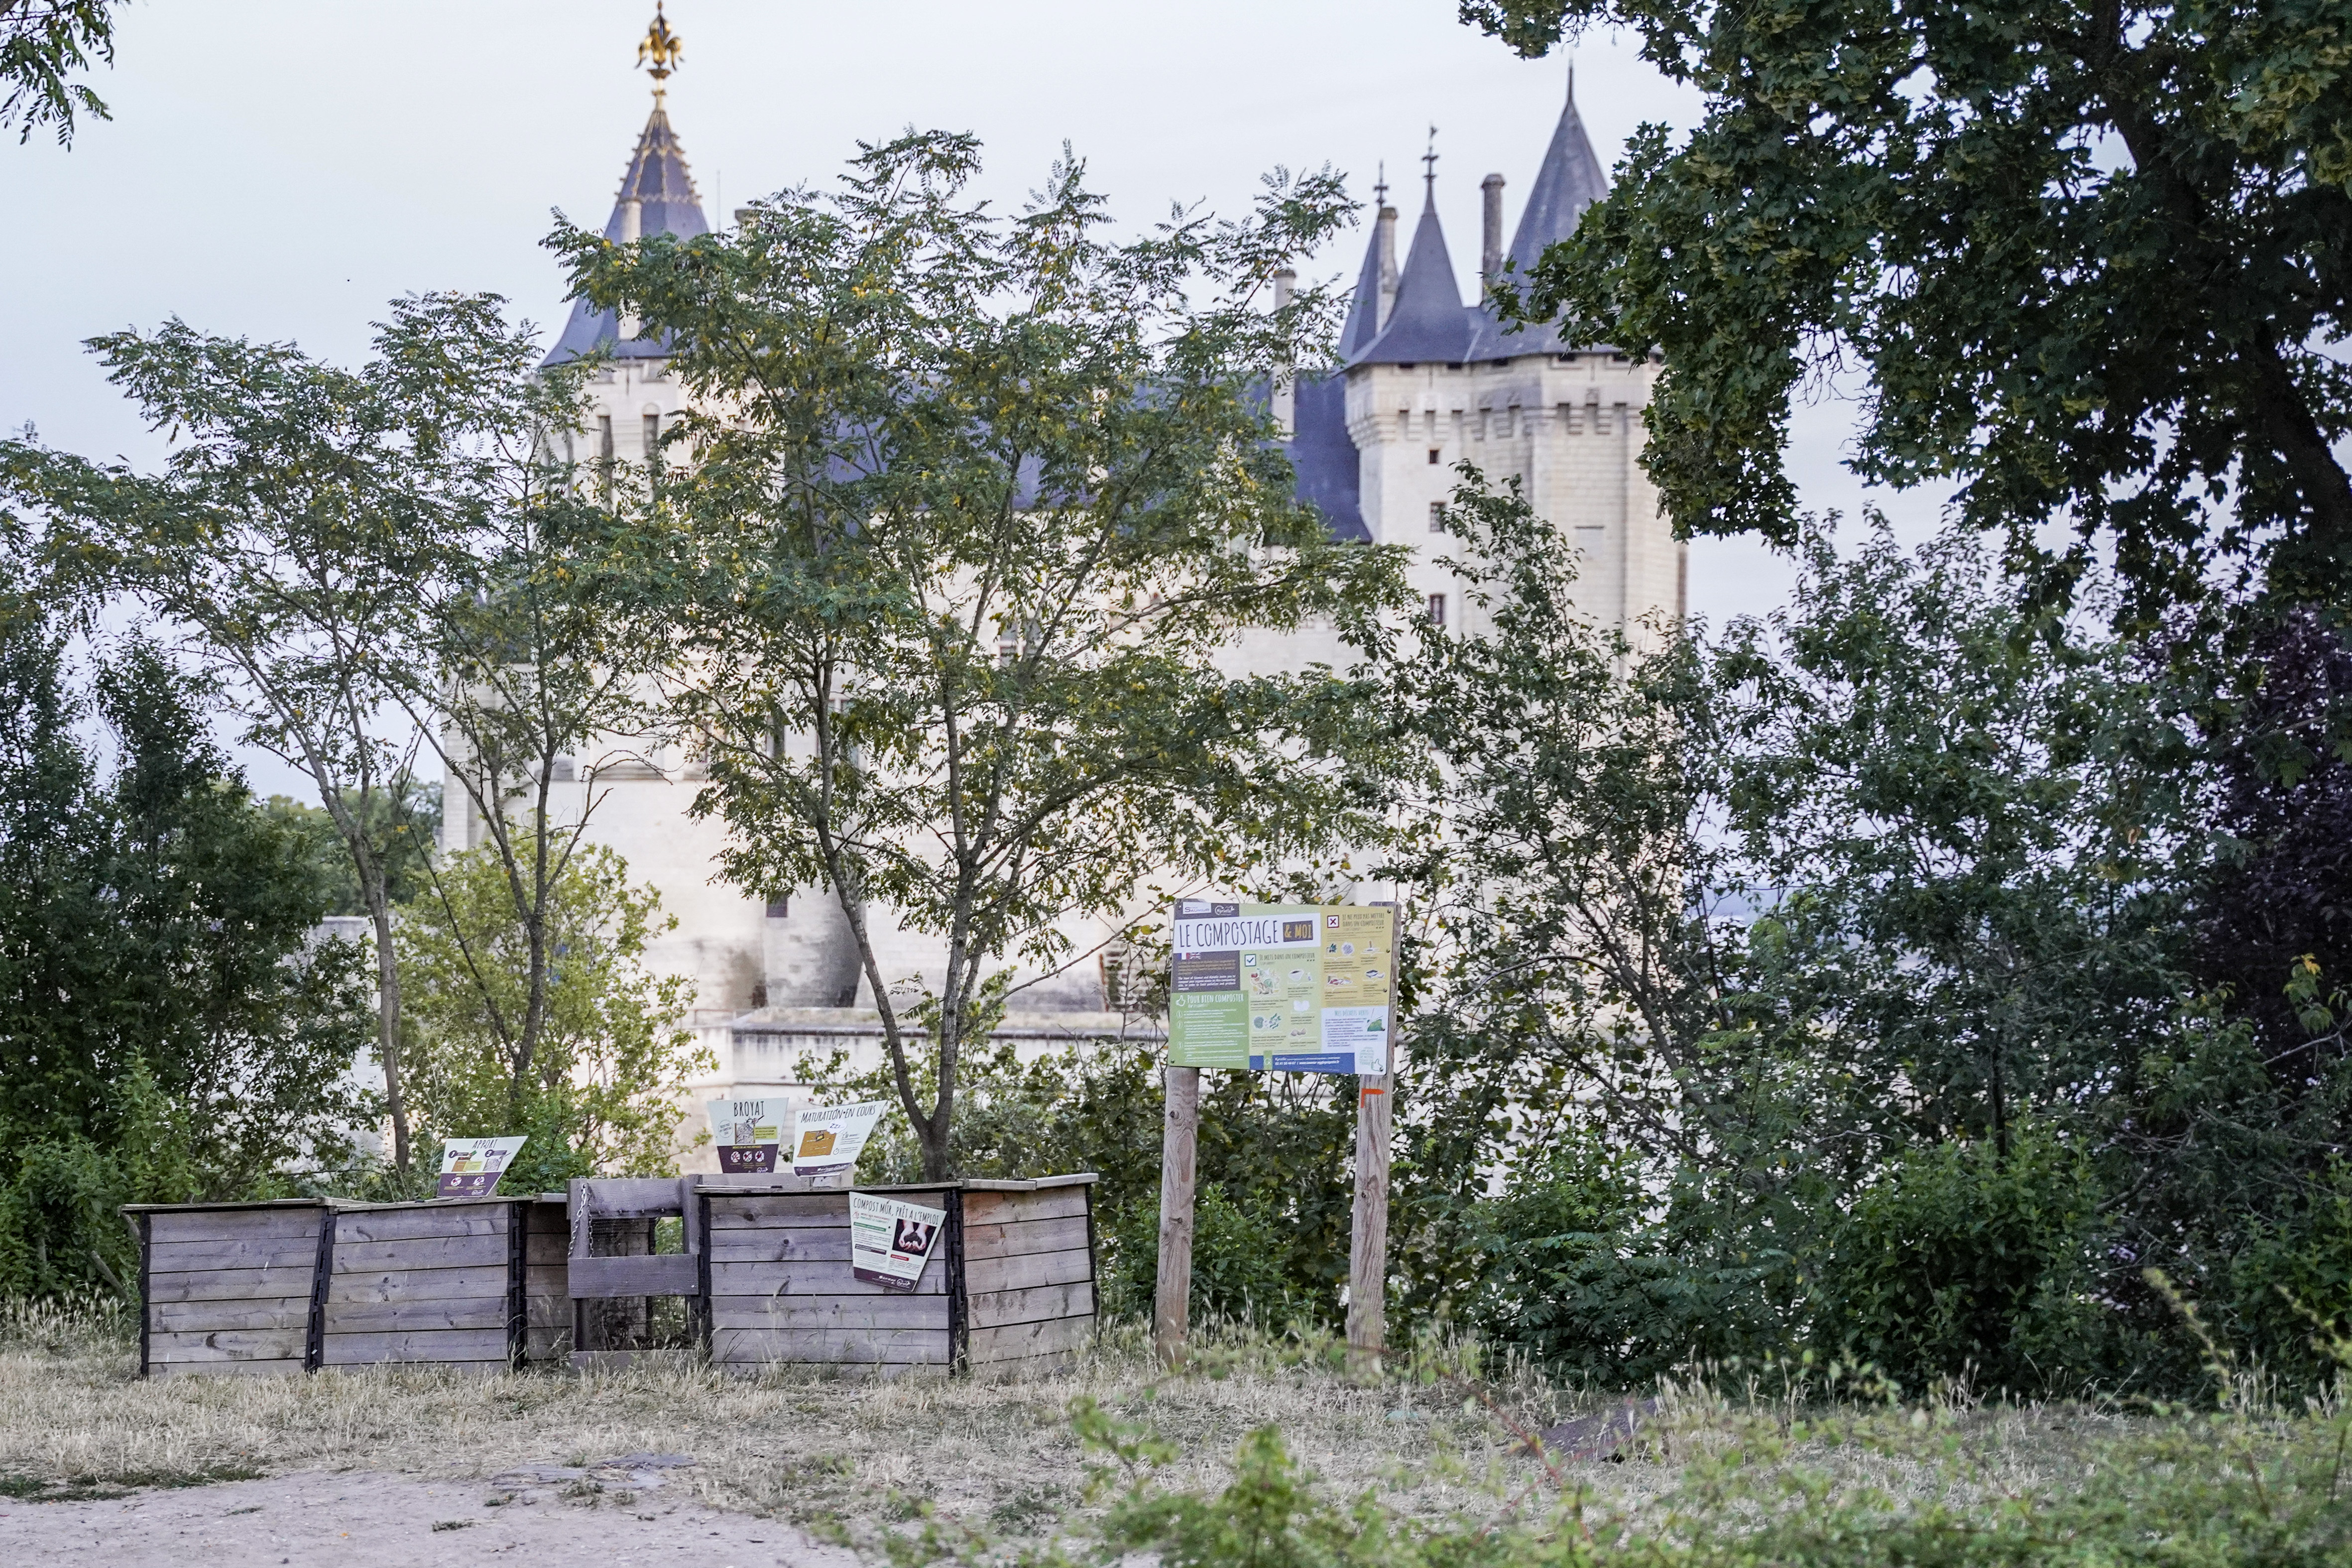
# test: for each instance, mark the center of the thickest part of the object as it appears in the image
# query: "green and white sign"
(1283, 987)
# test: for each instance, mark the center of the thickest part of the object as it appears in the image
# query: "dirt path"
(362, 1519)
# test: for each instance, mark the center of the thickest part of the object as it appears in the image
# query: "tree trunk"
(387, 1011)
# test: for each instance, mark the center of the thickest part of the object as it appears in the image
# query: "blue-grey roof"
(1426, 323)
(1443, 329)
(1364, 312)
(1322, 454)
(667, 203)
(1570, 180)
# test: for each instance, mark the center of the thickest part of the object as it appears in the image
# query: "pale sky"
(279, 170)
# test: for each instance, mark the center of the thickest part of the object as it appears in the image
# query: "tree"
(337, 546)
(971, 509)
(42, 42)
(170, 1028)
(604, 1092)
(2091, 255)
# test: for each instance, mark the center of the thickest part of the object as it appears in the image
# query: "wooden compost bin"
(1010, 1283)
(293, 1285)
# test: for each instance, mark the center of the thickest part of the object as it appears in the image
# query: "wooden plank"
(993, 1274)
(660, 1274)
(837, 1346)
(630, 1197)
(236, 1225)
(423, 1252)
(806, 1243)
(1031, 1183)
(541, 1250)
(1015, 1341)
(780, 1209)
(204, 1317)
(545, 1344)
(1368, 1239)
(227, 1344)
(384, 1316)
(1179, 1136)
(996, 1309)
(829, 1312)
(416, 1284)
(426, 1345)
(268, 1252)
(232, 1284)
(1023, 1237)
(815, 1279)
(1011, 1208)
(418, 1223)
(284, 1367)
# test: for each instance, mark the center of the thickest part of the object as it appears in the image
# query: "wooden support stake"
(1368, 1251)
(1172, 1300)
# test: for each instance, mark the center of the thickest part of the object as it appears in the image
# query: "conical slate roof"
(1427, 322)
(1364, 311)
(1570, 180)
(667, 203)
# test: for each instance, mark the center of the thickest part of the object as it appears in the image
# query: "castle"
(1424, 382)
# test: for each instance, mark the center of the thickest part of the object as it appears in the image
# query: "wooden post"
(1172, 1300)
(1368, 1251)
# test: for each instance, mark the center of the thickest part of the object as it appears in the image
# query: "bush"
(1237, 1263)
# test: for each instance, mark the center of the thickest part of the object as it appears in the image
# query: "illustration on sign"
(749, 1133)
(890, 1241)
(1282, 987)
(827, 1139)
(470, 1167)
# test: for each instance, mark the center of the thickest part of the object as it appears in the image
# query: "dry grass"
(857, 1455)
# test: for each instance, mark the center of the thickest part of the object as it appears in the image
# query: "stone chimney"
(632, 219)
(1490, 249)
(1388, 221)
(1285, 395)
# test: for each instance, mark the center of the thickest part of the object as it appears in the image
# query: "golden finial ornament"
(661, 47)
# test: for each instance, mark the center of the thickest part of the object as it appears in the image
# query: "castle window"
(781, 909)
(604, 436)
(1437, 517)
(1437, 610)
(653, 436)
(1433, 457)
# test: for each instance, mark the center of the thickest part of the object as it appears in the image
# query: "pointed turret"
(1427, 323)
(1570, 180)
(657, 196)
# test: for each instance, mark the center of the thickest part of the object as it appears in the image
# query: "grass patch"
(102, 1489)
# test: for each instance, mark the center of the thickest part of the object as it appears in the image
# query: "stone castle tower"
(1424, 382)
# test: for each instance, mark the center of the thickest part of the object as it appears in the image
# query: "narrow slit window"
(1437, 610)
(1437, 517)
(1432, 456)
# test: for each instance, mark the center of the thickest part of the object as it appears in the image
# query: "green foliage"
(2092, 256)
(401, 830)
(951, 575)
(168, 1029)
(604, 1092)
(1238, 1263)
(2228, 1490)
(1960, 1264)
(42, 44)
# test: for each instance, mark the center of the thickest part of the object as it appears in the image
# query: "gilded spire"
(661, 47)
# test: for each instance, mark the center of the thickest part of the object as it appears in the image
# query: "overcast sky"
(277, 169)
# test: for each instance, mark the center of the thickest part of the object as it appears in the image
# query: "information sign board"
(749, 1133)
(890, 1240)
(470, 1167)
(1283, 987)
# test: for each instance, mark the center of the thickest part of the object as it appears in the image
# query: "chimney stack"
(1490, 252)
(1285, 396)
(632, 231)
(1388, 222)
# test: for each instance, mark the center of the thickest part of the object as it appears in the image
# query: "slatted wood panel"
(547, 1285)
(1029, 1278)
(228, 1290)
(422, 1283)
(839, 1347)
(884, 1311)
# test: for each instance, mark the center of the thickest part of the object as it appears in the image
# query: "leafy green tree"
(2092, 256)
(404, 831)
(42, 44)
(346, 550)
(971, 510)
(604, 1090)
(170, 1028)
